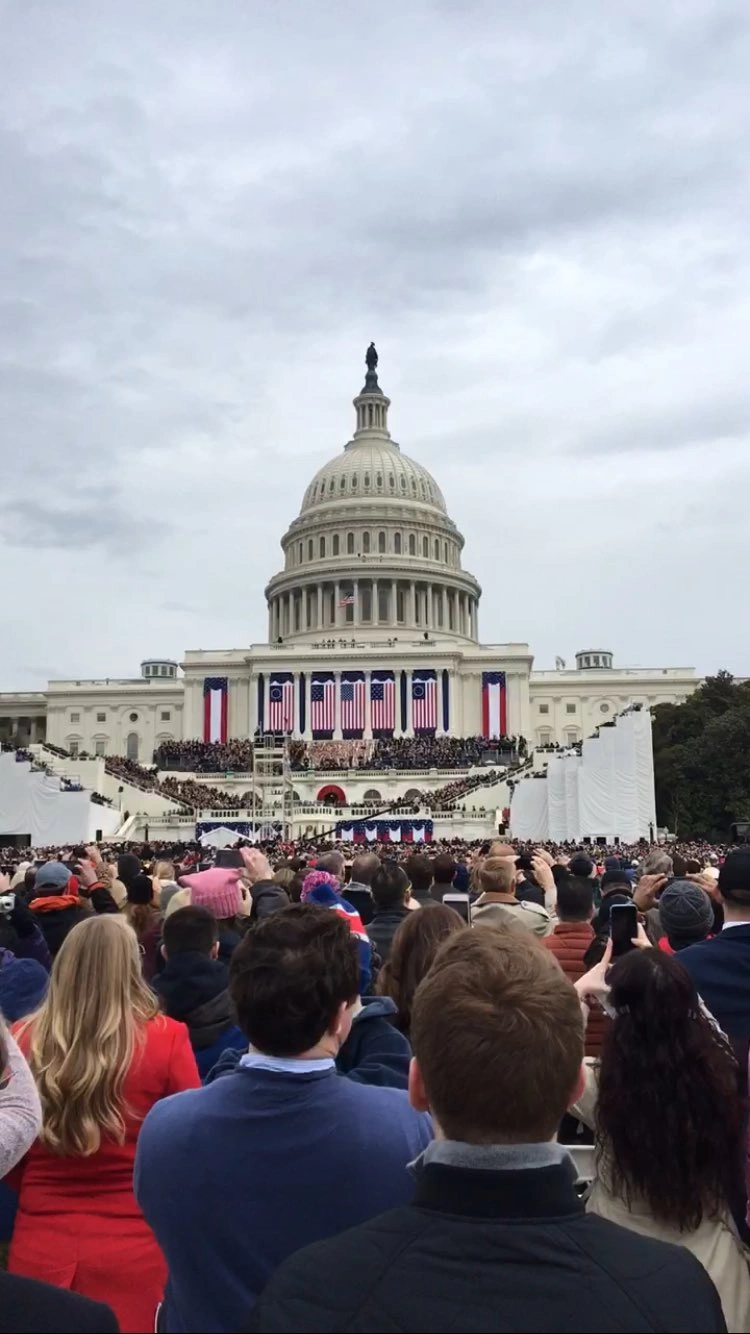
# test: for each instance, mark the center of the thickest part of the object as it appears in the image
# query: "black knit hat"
(734, 877)
(140, 889)
(685, 911)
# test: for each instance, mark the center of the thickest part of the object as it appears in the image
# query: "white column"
(445, 608)
(394, 603)
(413, 601)
(375, 603)
(320, 606)
(355, 591)
(428, 619)
(336, 608)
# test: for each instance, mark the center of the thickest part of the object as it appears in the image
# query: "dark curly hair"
(415, 944)
(670, 1117)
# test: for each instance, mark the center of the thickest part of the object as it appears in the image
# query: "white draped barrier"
(528, 810)
(557, 810)
(33, 805)
(605, 792)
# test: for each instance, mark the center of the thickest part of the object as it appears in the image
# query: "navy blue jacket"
(236, 1176)
(720, 968)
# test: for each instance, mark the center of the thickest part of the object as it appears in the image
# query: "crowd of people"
(217, 1067)
(426, 751)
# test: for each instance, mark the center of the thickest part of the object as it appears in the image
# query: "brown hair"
(498, 1034)
(497, 875)
(415, 944)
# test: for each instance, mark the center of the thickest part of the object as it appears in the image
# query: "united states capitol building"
(373, 629)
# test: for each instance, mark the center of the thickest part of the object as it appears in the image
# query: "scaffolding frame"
(272, 793)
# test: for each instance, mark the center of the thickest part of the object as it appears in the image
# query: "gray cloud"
(536, 211)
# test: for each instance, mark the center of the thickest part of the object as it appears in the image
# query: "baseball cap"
(53, 875)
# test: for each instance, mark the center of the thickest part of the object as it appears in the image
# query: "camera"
(7, 903)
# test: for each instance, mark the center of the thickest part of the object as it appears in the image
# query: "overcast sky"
(539, 213)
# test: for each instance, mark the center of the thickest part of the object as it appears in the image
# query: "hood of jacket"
(189, 981)
(23, 985)
(375, 1007)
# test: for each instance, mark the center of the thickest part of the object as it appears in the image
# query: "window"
(309, 549)
(545, 737)
(350, 544)
(544, 708)
(437, 549)
(381, 542)
(322, 546)
(75, 717)
(365, 602)
(335, 547)
(73, 748)
(101, 717)
(131, 746)
(397, 543)
(400, 606)
(445, 557)
(596, 659)
(604, 708)
(412, 545)
(391, 481)
(366, 543)
(165, 715)
(570, 708)
(164, 670)
(355, 479)
(342, 484)
(425, 546)
(367, 479)
(100, 747)
(133, 717)
(299, 553)
(384, 604)
(379, 481)
(147, 671)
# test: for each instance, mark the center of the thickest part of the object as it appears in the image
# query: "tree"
(702, 759)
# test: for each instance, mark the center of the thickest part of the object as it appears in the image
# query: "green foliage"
(702, 759)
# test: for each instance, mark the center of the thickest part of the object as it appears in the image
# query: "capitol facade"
(373, 629)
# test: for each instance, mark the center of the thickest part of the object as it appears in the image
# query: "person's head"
(734, 885)
(678, 1148)
(497, 1036)
(83, 1036)
(217, 889)
(390, 885)
(443, 869)
(658, 863)
(294, 979)
(164, 871)
(190, 931)
(415, 944)
(419, 870)
(581, 866)
(364, 868)
(334, 862)
(497, 875)
(128, 867)
(615, 882)
(686, 913)
(284, 875)
(52, 878)
(575, 899)
(140, 890)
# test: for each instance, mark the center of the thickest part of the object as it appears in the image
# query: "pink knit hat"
(218, 890)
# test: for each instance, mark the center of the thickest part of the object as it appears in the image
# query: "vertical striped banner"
(446, 700)
(322, 704)
(352, 705)
(215, 700)
(494, 705)
(424, 712)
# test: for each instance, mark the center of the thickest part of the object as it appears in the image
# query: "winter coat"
(383, 927)
(193, 989)
(78, 1224)
(56, 915)
(488, 1250)
(268, 897)
(531, 916)
(569, 942)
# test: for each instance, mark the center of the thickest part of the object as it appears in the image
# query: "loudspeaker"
(98, 836)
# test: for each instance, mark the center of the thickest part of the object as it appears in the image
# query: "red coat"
(78, 1224)
(569, 942)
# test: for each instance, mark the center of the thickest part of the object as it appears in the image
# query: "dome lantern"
(371, 404)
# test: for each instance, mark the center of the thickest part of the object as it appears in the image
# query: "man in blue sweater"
(235, 1177)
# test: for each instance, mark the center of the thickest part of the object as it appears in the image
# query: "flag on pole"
(281, 702)
(322, 704)
(494, 705)
(382, 702)
(424, 701)
(215, 701)
(347, 600)
(352, 704)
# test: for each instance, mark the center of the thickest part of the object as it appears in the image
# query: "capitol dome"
(373, 547)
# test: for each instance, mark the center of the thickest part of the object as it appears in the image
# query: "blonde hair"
(82, 1039)
(164, 871)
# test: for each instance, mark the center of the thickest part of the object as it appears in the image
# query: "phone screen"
(229, 859)
(623, 927)
(460, 904)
